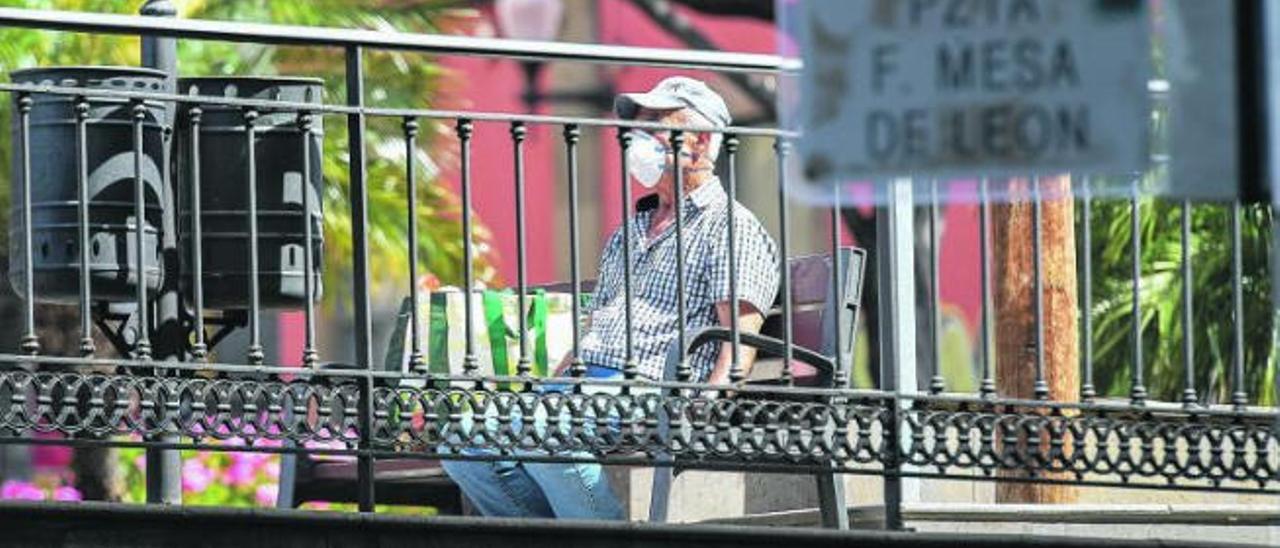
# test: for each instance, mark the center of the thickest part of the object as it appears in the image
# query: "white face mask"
(646, 158)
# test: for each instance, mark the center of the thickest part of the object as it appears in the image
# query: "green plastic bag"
(495, 329)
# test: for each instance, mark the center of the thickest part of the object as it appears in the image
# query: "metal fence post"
(164, 467)
(360, 271)
(895, 241)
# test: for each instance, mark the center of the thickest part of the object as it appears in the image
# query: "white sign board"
(934, 88)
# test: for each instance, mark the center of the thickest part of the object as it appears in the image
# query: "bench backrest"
(818, 314)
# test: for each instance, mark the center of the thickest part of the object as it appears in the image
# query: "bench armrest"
(762, 343)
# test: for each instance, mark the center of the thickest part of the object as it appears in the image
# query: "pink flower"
(67, 494)
(252, 460)
(272, 469)
(265, 495)
(20, 490)
(325, 444)
(140, 461)
(418, 420)
(195, 475)
(241, 473)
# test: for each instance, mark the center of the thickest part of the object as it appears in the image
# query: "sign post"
(1216, 72)
(1271, 54)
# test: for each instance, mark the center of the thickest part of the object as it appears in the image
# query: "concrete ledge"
(870, 516)
(1189, 514)
(112, 525)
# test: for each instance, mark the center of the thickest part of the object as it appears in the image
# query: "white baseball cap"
(673, 93)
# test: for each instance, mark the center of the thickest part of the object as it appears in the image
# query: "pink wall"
(961, 273)
(495, 85)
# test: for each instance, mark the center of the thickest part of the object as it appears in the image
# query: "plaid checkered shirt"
(655, 322)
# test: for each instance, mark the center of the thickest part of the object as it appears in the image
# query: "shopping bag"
(495, 331)
(495, 325)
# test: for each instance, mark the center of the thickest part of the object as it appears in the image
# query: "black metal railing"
(184, 401)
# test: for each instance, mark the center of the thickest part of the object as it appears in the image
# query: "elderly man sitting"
(581, 490)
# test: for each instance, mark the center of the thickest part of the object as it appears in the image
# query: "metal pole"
(1189, 396)
(938, 383)
(170, 337)
(360, 271)
(255, 354)
(988, 389)
(464, 129)
(683, 372)
(781, 150)
(199, 350)
(306, 123)
(82, 187)
(1271, 49)
(735, 365)
(629, 369)
(1239, 398)
(896, 278)
(571, 136)
(417, 363)
(518, 134)
(164, 466)
(30, 342)
(160, 53)
(1138, 390)
(1041, 388)
(1087, 391)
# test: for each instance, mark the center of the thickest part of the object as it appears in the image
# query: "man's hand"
(749, 321)
(562, 367)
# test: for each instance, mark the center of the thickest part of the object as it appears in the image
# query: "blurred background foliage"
(1160, 295)
(391, 79)
(1160, 299)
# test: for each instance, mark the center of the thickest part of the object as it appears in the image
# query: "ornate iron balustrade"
(155, 402)
(786, 429)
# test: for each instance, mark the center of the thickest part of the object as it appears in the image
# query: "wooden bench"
(817, 314)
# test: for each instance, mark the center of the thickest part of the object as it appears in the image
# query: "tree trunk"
(95, 469)
(16, 461)
(1014, 300)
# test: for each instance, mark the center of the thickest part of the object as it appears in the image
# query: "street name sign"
(960, 88)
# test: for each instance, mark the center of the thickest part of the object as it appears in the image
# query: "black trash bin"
(224, 191)
(110, 167)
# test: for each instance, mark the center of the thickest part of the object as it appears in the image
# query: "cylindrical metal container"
(224, 191)
(109, 144)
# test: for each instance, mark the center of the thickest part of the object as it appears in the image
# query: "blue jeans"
(509, 488)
